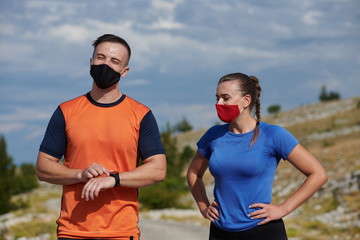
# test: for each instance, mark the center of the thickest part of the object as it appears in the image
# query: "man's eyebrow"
(117, 59)
(103, 55)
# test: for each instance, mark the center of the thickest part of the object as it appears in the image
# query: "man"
(101, 136)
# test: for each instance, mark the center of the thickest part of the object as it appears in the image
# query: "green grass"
(34, 228)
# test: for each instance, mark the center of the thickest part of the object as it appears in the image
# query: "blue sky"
(180, 50)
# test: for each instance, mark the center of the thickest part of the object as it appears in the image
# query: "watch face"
(113, 172)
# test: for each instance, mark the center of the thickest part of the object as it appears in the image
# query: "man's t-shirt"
(113, 135)
(243, 175)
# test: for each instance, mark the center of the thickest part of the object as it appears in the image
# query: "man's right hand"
(93, 171)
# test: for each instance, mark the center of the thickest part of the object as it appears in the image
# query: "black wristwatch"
(117, 178)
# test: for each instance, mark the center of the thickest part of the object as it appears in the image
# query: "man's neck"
(109, 95)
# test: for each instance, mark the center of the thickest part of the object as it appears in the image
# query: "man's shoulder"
(73, 105)
(136, 104)
(74, 100)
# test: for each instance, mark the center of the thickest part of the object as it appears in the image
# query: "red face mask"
(227, 113)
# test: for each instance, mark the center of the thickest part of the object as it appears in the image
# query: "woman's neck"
(243, 124)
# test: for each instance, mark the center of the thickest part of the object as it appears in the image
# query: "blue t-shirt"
(243, 175)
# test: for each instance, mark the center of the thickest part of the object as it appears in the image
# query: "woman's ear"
(247, 100)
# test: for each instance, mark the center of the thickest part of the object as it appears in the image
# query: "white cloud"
(22, 114)
(134, 82)
(166, 24)
(311, 17)
(164, 13)
(280, 29)
(54, 7)
(70, 33)
(199, 115)
(34, 132)
(10, 127)
(7, 29)
(308, 43)
(10, 53)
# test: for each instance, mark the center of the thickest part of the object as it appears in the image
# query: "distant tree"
(328, 96)
(168, 193)
(186, 155)
(273, 109)
(7, 171)
(27, 180)
(11, 183)
(7, 168)
(27, 169)
(183, 126)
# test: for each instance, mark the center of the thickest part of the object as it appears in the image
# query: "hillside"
(331, 131)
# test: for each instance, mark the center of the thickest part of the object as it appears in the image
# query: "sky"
(180, 49)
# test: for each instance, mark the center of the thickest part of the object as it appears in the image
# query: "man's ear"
(125, 72)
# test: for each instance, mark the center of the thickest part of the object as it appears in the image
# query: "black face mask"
(104, 76)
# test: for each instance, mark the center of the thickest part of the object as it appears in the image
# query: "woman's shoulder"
(271, 128)
(216, 130)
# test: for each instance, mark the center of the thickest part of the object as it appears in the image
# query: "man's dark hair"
(114, 39)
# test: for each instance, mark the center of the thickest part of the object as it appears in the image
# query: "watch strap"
(116, 176)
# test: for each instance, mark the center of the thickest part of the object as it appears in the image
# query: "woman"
(242, 155)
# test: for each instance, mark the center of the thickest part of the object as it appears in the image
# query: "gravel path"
(170, 230)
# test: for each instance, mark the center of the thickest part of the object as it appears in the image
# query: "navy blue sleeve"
(54, 142)
(149, 140)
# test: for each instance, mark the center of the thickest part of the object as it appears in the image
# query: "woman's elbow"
(322, 176)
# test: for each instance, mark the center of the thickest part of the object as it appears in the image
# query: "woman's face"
(228, 93)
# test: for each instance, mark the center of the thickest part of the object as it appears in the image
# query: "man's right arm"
(49, 169)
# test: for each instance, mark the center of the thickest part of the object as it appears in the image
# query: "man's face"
(113, 54)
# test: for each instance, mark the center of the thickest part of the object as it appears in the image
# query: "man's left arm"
(152, 152)
(152, 170)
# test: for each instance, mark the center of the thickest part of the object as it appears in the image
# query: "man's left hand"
(95, 185)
